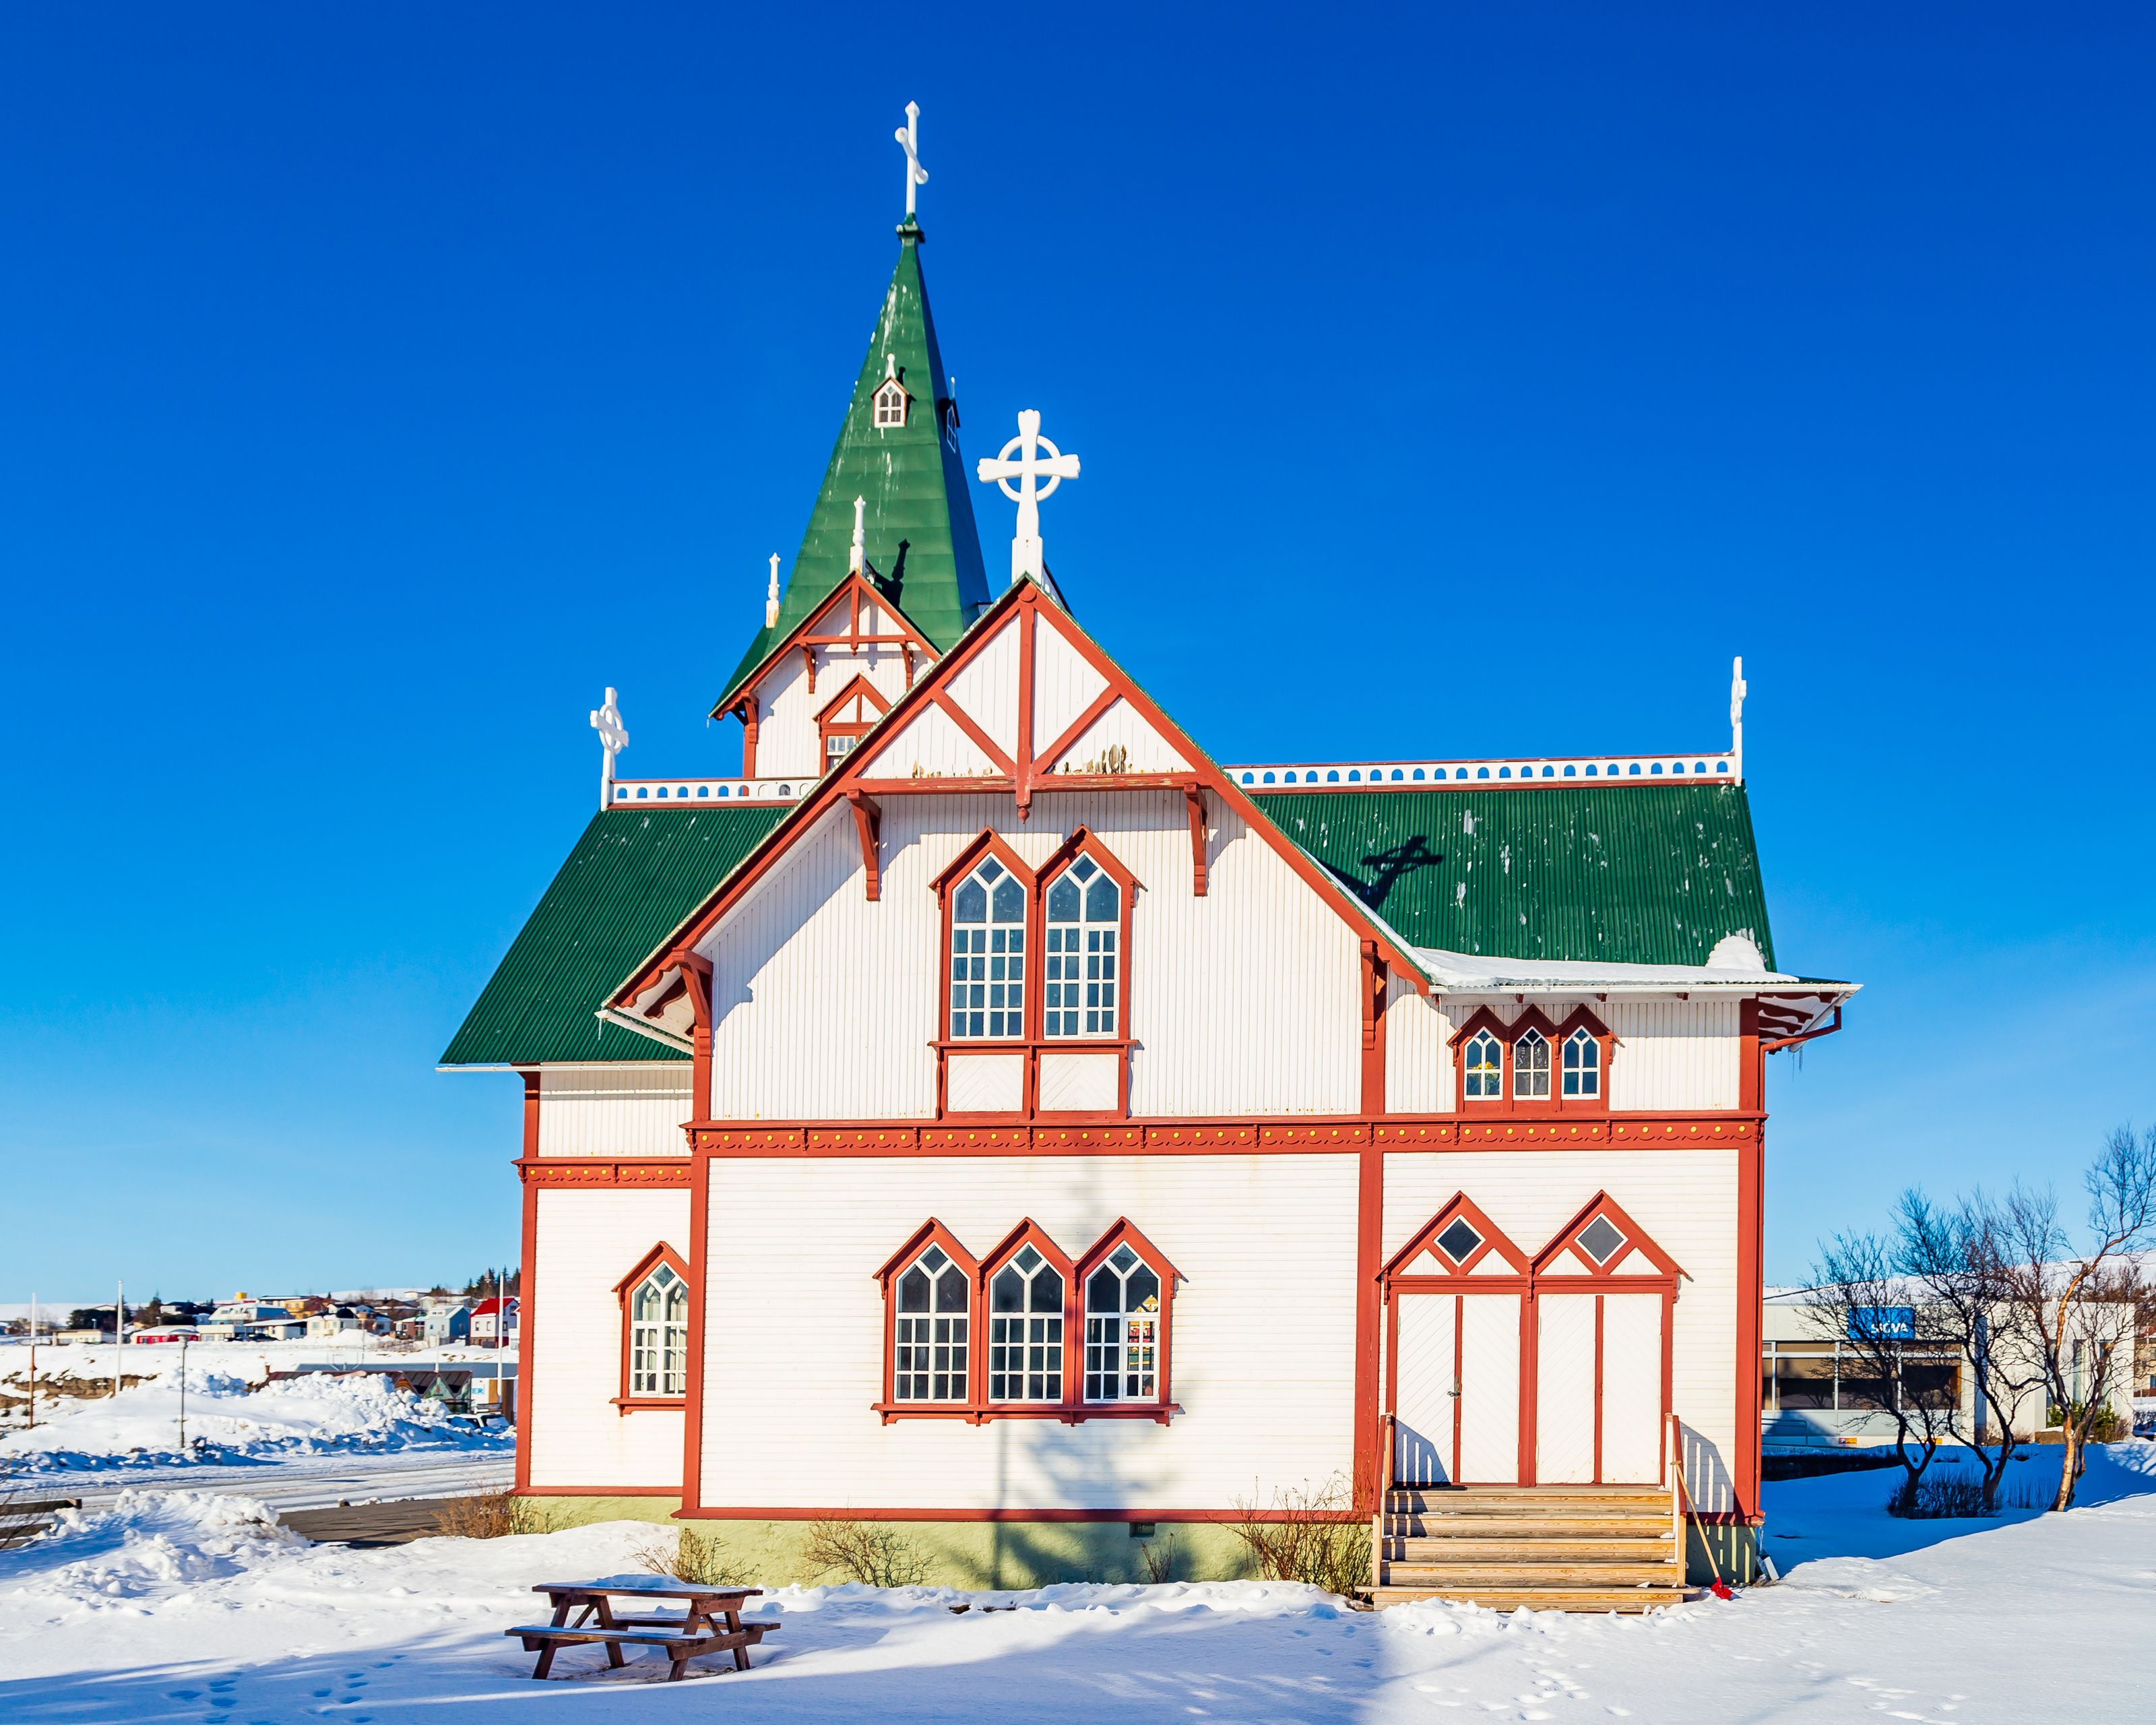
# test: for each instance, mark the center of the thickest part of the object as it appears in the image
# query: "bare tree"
(1956, 1263)
(1862, 1302)
(2072, 1313)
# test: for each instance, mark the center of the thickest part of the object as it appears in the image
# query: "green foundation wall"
(1734, 1549)
(964, 1554)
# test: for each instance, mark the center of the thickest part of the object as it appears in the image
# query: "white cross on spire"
(1028, 557)
(614, 738)
(908, 135)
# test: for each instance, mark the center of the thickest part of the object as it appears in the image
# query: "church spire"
(897, 453)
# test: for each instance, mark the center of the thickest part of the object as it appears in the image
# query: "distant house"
(443, 1324)
(487, 1322)
(167, 1332)
(333, 1323)
(241, 1319)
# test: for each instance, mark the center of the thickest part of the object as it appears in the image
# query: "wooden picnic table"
(710, 1621)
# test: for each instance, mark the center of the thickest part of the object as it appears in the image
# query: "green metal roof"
(632, 878)
(1626, 873)
(922, 543)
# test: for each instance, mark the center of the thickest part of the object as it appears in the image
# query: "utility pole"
(33, 1359)
(183, 1395)
(119, 1331)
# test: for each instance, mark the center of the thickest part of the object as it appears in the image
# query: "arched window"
(1484, 1068)
(1123, 1329)
(659, 1335)
(929, 1333)
(1531, 1068)
(1082, 965)
(988, 955)
(1583, 1066)
(1026, 1330)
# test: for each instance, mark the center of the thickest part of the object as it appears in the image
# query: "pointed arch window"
(988, 954)
(654, 1330)
(930, 1340)
(1531, 1068)
(1582, 1066)
(890, 399)
(1125, 1308)
(1082, 960)
(1482, 1068)
(1026, 1327)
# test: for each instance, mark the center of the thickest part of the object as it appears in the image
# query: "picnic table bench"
(710, 1621)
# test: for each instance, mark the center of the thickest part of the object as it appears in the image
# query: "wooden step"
(1523, 1528)
(1589, 1500)
(1494, 1574)
(1558, 1543)
(1504, 1598)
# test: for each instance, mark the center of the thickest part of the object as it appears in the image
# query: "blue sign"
(1883, 1323)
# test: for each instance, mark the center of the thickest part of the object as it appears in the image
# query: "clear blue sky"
(377, 383)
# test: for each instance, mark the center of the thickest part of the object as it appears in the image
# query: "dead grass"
(687, 1555)
(492, 1515)
(1308, 1535)
(1163, 1557)
(874, 1553)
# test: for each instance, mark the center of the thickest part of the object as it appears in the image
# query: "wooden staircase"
(1550, 1547)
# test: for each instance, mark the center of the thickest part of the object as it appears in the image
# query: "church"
(987, 1114)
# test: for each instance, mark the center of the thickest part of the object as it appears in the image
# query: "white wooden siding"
(1064, 685)
(588, 1240)
(1418, 1063)
(1120, 726)
(1673, 1054)
(1262, 1345)
(1245, 1001)
(987, 687)
(625, 1110)
(786, 744)
(929, 743)
(1686, 1199)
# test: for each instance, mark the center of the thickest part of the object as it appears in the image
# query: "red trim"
(1751, 1228)
(964, 721)
(1196, 1136)
(1023, 770)
(1369, 1241)
(1028, 1232)
(531, 1115)
(528, 1284)
(523, 1491)
(929, 1232)
(1193, 803)
(696, 983)
(794, 1513)
(1779, 1042)
(746, 710)
(829, 723)
(868, 824)
(1494, 1240)
(853, 589)
(584, 1171)
(1505, 1103)
(1123, 1231)
(1636, 1239)
(1078, 727)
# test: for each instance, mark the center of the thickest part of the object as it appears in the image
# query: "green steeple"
(922, 549)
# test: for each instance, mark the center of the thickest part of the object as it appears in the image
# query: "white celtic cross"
(614, 738)
(909, 135)
(1027, 556)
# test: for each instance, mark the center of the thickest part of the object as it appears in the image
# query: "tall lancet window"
(1026, 1330)
(988, 955)
(1531, 1068)
(928, 1334)
(1082, 976)
(1484, 1068)
(1123, 1329)
(1583, 1064)
(659, 1335)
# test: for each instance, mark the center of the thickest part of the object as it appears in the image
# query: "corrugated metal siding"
(1122, 726)
(1418, 1064)
(587, 1242)
(930, 743)
(1064, 685)
(1686, 1198)
(986, 686)
(632, 878)
(624, 1111)
(1250, 1325)
(1673, 1054)
(1631, 873)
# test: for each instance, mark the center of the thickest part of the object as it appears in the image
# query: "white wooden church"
(984, 1112)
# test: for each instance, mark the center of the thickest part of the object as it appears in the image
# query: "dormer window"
(1583, 1066)
(1485, 1068)
(1531, 1068)
(891, 398)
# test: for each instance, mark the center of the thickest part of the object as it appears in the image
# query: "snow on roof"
(1734, 966)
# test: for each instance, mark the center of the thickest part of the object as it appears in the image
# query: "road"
(298, 1481)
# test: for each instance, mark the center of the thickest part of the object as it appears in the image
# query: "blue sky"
(377, 385)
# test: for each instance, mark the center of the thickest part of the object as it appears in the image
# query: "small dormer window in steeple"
(890, 397)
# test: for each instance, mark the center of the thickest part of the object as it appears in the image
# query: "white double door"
(1457, 1406)
(1598, 1389)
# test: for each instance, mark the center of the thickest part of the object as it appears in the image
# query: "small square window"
(1600, 1240)
(1460, 1240)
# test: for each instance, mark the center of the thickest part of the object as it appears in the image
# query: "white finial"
(1027, 555)
(889, 366)
(857, 558)
(909, 135)
(771, 596)
(614, 738)
(1737, 693)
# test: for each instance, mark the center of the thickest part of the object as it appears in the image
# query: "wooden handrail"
(1679, 1497)
(1381, 1478)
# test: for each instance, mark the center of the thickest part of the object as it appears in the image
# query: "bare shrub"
(491, 1515)
(687, 1555)
(1940, 1496)
(1163, 1557)
(874, 1553)
(1310, 1535)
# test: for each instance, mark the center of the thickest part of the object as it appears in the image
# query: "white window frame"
(1124, 1333)
(1092, 949)
(1530, 1069)
(890, 400)
(1490, 1073)
(659, 1343)
(1588, 1069)
(978, 952)
(1031, 1331)
(937, 1332)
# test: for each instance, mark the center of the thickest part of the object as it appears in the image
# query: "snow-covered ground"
(172, 1606)
(296, 1443)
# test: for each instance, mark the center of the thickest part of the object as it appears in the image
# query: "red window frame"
(660, 1253)
(830, 721)
(1083, 844)
(1074, 1409)
(1508, 1036)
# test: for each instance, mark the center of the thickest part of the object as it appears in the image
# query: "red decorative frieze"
(1416, 1134)
(1202, 1135)
(975, 1137)
(837, 1139)
(671, 1171)
(1309, 1136)
(761, 1137)
(1089, 1138)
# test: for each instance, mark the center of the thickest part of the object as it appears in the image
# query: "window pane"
(970, 903)
(1009, 900)
(1601, 1240)
(951, 1290)
(1141, 1292)
(1048, 1291)
(1122, 1257)
(1801, 1382)
(1103, 901)
(1459, 1240)
(913, 1291)
(1104, 1291)
(1007, 1293)
(1063, 900)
